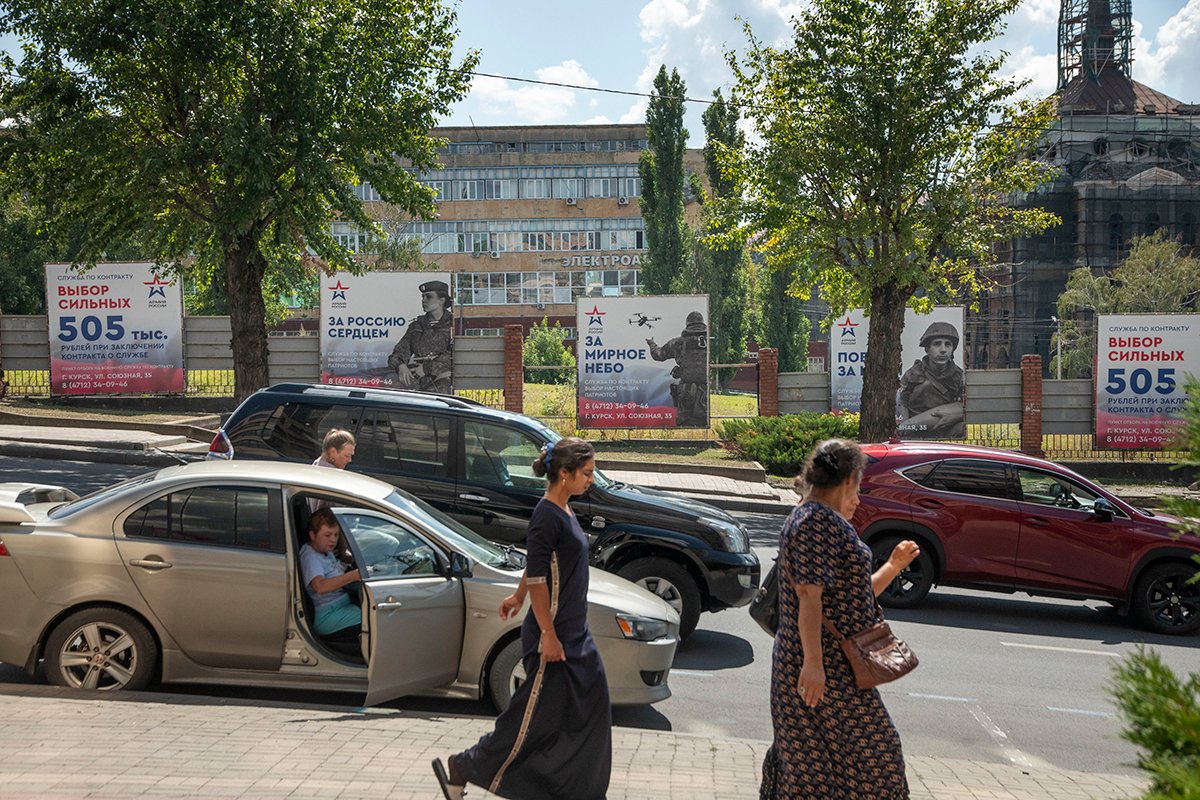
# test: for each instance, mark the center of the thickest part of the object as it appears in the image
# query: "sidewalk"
(61, 745)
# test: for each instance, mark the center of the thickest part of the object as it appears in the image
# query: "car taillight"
(220, 447)
(3, 549)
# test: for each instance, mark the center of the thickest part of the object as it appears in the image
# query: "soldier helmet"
(940, 330)
(437, 286)
(695, 324)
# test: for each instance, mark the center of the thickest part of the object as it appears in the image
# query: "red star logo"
(848, 328)
(156, 286)
(594, 316)
(339, 291)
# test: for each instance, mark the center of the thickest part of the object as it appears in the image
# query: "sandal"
(450, 791)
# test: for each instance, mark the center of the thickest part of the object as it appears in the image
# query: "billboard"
(930, 401)
(643, 362)
(1143, 362)
(115, 329)
(391, 329)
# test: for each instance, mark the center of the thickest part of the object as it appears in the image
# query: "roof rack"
(450, 401)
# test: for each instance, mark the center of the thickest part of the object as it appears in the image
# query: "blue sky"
(619, 44)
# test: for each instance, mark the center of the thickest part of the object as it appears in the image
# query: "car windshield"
(457, 534)
(98, 496)
(598, 478)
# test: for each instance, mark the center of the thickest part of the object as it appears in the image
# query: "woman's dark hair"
(568, 454)
(832, 462)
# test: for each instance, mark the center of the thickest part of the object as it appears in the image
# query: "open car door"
(412, 613)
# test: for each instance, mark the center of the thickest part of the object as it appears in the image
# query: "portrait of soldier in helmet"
(930, 401)
(423, 356)
(690, 351)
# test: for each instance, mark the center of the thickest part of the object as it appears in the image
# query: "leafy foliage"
(544, 347)
(784, 325)
(1157, 276)
(661, 171)
(879, 175)
(22, 254)
(231, 133)
(1162, 712)
(782, 444)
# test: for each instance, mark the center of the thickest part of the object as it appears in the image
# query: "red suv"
(998, 520)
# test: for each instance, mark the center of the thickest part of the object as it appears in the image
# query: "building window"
(1152, 224)
(550, 286)
(1116, 233)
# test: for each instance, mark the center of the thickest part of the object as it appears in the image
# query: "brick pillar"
(768, 382)
(514, 368)
(1031, 405)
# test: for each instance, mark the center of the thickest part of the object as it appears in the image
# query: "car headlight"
(733, 535)
(641, 628)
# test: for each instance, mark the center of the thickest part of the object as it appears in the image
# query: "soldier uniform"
(927, 385)
(426, 347)
(690, 351)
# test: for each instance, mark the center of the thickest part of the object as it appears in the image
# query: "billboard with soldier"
(643, 362)
(930, 400)
(390, 329)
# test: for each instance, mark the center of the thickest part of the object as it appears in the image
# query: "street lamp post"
(1057, 348)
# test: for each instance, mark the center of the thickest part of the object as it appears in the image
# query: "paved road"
(1003, 678)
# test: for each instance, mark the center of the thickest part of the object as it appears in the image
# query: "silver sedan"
(192, 574)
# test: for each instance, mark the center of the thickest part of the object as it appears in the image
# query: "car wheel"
(507, 675)
(672, 583)
(102, 649)
(908, 588)
(1165, 601)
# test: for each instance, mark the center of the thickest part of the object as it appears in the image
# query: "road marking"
(1001, 738)
(1083, 711)
(949, 697)
(1063, 649)
(692, 673)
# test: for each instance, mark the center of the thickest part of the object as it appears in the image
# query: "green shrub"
(781, 444)
(544, 348)
(1162, 715)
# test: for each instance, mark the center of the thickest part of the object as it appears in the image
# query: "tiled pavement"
(55, 745)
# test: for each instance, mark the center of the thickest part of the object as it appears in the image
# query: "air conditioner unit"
(476, 253)
(570, 201)
(495, 254)
(622, 200)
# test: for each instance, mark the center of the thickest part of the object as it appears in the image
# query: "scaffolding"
(1094, 35)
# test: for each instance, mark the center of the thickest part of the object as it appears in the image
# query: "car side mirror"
(460, 566)
(1104, 509)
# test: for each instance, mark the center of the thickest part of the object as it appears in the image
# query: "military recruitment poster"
(1143, 363)
(643, 362)
(390, 329)
(930, 402)
(115, 329)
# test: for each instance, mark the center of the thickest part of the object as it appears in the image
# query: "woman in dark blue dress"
(554, 741)
(833, 741)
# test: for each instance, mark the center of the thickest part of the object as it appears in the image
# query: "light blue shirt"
(315, 565)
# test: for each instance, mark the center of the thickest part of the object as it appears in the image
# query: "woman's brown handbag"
(876, 655)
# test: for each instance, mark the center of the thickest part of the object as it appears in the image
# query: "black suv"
(474, 464)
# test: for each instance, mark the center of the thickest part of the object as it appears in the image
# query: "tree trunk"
(881, 374)
(244, 271)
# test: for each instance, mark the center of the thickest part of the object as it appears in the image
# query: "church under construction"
(1128, 160)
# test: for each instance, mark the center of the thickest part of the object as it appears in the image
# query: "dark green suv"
(474, 463)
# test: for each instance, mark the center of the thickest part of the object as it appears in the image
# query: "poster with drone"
(643, 362)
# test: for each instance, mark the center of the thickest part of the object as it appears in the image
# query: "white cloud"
(1040, 12)
(1170, 61)
(1040, 70)
(535, 104)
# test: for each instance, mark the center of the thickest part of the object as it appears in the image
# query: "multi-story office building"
(529, 219)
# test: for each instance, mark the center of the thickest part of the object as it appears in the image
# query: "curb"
(730, 503)
(144, 458)
(188, 430)
(754, 474)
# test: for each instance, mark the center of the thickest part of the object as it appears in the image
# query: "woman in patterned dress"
(554, 741)
(832, 739)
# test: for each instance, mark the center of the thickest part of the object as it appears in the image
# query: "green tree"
(1158, 276)
(785, 327)
(661, 171)
(877, 169)
(724, 270)
(544, 347)
(231, 133)
(23, 252)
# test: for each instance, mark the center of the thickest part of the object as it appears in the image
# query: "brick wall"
(1031, 405)
(514, 369)
(768, 382)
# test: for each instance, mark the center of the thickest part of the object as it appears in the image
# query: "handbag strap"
(829, 626)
